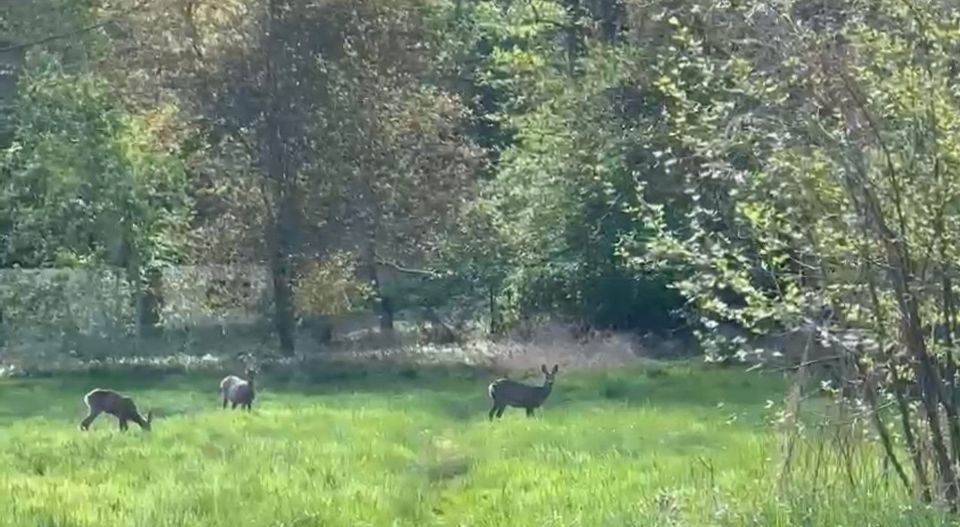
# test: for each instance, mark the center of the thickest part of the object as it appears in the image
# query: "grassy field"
(643, 446)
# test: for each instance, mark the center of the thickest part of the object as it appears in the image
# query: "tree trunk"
(385, 312)
(381, 304)
(898, 270)
(611, 16)
(574, 36)
(9, 68)
(149, 303)
(145, 304)
(949, 388)
(281, 236)
(442, 333)
(282, 188)
(283, 312)
(870, 394)
(906, 421)
(495, 323)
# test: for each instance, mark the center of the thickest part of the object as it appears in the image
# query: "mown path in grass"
(654, 445)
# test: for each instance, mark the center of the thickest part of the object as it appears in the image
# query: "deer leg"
(85, 424)
(500, 411)
(492, 411)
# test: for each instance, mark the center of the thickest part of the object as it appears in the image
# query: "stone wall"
(68, 305)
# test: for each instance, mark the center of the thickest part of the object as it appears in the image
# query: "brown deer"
(506, 392)
(123, 408)
(238, 391)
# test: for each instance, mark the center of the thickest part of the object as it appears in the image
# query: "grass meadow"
(644, 445)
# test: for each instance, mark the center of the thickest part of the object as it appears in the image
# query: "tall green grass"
(647, 446)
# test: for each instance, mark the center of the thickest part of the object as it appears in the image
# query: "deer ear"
(555, 368)
(543, 368)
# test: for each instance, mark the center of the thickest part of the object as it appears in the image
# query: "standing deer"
(123, 408)
(506, 392)
(238, 391)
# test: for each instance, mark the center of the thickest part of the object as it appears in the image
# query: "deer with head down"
(123, 408)
(238, 391)
(506, 392)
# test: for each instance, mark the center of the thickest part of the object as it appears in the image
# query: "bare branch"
(75, 32)
(405, 270)
(537, 19)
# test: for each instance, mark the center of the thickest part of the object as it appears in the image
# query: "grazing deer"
(123, 408)
(238, 391)
(505, 392)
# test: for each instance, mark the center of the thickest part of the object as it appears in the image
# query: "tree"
(85, 182)
(846, 200)
(335, 106)
(565, 183)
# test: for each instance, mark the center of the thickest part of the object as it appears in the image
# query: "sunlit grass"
(645, 446)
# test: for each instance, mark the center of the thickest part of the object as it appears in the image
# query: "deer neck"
(545, 390)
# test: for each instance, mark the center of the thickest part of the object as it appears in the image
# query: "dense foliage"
(621, 164)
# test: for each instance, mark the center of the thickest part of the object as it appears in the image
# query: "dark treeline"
(468, 146)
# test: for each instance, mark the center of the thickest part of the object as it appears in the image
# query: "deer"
(101, 400)
(506, 392)
(238, 391)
